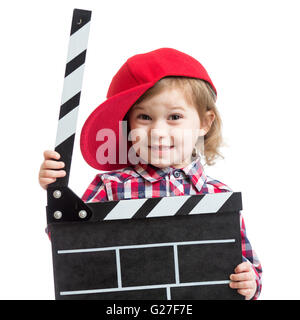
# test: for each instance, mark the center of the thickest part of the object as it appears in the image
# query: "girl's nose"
(159, 132)
(159, 127)
(159, 124)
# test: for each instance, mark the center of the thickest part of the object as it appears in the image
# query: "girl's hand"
(46, 174)
(244, 280)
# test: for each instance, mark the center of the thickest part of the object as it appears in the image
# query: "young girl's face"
(164, 129)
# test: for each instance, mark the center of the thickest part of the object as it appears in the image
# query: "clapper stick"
(72, 90)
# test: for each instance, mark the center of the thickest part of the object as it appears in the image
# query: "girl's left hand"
(244, 280)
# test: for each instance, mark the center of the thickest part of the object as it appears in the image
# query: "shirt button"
(177, 174)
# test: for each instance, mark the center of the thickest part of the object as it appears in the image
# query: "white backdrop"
(251, 51)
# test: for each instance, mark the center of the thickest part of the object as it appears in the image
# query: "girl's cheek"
(178, 138)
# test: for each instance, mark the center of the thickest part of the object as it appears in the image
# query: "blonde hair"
(199, 93)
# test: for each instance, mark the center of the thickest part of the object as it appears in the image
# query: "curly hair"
(199, 93)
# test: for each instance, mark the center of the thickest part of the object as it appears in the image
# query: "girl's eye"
(143, 117)
(176, 116)
(146, 117)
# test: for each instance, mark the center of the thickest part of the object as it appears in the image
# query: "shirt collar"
(194, 171)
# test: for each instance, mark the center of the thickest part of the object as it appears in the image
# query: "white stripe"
(167, 186)
(178, 185)
(210, 188)
(125, 209)
(66, 126)
(72, 84)
(168, 244)
(176, 264)
(118, 268)
(168, 293)
(188, 284)
(148, 189)
(211, 203)
(192, 190)
(168, 206)
(78, 42)
(109, 191)
(127, 189)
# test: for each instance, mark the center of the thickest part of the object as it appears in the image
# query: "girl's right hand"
(47, 175)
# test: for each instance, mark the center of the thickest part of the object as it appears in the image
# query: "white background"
(251, 51)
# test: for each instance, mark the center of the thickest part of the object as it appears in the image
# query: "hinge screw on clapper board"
(57, 215)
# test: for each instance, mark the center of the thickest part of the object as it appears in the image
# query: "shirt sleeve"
(96, 191)
(250, 255)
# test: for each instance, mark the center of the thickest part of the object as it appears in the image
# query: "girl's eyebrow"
(172, 108)
(138, 107)
(178, 107)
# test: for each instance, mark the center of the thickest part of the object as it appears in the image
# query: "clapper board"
(167, 248)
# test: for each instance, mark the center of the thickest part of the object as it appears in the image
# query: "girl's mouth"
(160, 149)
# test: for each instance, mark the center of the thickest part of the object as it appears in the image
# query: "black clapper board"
(182, 247)
(168, 248)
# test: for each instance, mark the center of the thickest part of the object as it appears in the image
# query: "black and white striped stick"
(171, 206)
(141, 208)
(71, 90)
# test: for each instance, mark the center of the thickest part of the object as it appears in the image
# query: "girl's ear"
(208, 120)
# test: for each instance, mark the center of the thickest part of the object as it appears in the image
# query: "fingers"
(52, 173)
(248, 293)
(49, 169)
(245, 288)
(242, 285)
(243, 280)
(49, 176)
(241, 276)
(52, 164)
(49, 164)
(243, 267)
(51, 154)
(45, 181)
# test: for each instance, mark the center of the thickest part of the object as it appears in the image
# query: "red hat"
(139, 73)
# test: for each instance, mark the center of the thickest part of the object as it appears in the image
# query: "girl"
(164, 102)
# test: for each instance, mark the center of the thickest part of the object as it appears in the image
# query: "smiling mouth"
(160, 148)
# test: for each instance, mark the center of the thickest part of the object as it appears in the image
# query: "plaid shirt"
(148, 181)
